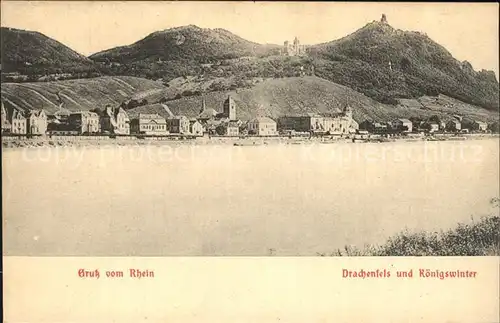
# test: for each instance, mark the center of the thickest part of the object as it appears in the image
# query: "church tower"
(230, 108)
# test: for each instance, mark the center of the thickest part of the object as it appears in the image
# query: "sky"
(468, 30)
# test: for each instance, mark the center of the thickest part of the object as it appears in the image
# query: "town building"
(196, 128)
(303, 123)
(230, 129)
(479, 126)
(403, 125)
(60, 116)
(442, 125)
(262, 126)
(453, 125)
(374, 127)
(149, 124)
(57, 128)
(431, 126)
(37, 122)
(337, 122)
(114, 120)
(218, 123)
(178, 124)
(206, 114)
(58, 123)
(211, 125)
(340, 123)
(160, 109)
(18, 122)
(84, 122)
(6, 125)
(293, 49)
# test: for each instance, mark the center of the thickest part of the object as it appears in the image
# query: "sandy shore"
(12, 143)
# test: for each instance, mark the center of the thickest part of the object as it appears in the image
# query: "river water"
(284, 200)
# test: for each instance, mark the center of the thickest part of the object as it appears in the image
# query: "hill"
(299, 95)
(179, 51)
(271, 97)
(377, 60)
(385, 63)
(187, 42)
(32, 53)
(75, 95)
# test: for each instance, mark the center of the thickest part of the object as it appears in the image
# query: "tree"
(436, 119)
(494, 127)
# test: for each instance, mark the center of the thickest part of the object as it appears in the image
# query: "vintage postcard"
(250, 161)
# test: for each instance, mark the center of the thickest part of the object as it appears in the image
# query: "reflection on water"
(225, 200)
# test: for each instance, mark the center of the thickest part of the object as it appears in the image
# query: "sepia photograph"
(257, 129)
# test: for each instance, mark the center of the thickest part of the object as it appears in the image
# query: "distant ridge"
(383, 63)
(74, 95)
(184, 43)
(31, 52)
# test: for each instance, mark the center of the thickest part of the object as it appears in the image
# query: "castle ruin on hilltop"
(293, 49)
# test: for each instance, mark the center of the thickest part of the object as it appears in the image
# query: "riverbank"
(86, 141)
(481, 238)
(476, 238)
